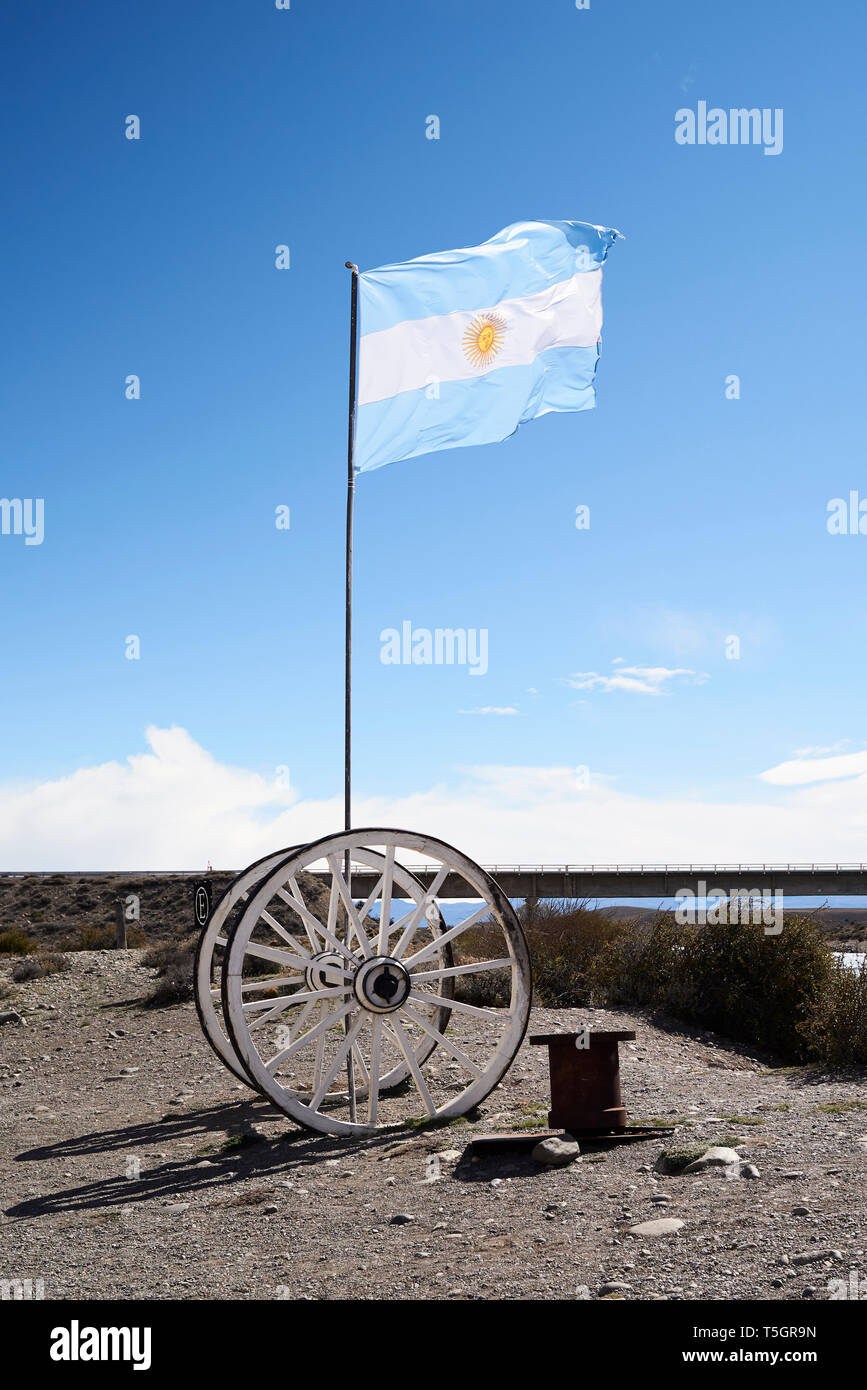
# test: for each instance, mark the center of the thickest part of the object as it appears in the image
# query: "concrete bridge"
(651, 881)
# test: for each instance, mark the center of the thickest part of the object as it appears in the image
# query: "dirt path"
(134, 1166)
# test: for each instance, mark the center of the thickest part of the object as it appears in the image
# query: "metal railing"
(492, 869)
(495, 869)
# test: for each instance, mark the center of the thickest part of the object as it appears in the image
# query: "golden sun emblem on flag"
(484, 338)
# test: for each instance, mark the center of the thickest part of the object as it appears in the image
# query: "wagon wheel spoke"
(375, 1061)
(476, 967)
(445, 1042)
(451, 935)
(349, 906)
(331, 1020)
(286, 1001)
(458, 1005)
(412, 1062)
(299, 1023)
(413, 919)
(313, 924)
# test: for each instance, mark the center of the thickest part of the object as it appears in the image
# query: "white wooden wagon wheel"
(208, 961)
(380, 1006)
(213, 938)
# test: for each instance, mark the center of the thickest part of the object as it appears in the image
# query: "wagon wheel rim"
(208, 964)
(377, 999)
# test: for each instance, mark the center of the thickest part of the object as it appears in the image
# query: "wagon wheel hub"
(325, 970)
(381, 985)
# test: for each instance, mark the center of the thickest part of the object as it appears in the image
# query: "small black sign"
(202, 902)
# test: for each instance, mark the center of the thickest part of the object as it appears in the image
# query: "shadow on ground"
(242, 1154)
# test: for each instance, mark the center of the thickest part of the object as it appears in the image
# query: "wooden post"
(120, 919)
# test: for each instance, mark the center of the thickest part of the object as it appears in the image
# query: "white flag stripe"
(419, 352)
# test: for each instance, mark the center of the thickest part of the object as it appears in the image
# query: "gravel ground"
(134, 1166)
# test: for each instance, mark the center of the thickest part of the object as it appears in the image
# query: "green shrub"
(730, 977)
(565, 939)
(16, 943)
(835, 1030)
(643, 966)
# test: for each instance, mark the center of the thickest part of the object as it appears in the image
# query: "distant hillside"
(843, 925)
(54, 907)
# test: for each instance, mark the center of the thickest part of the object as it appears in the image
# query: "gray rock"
(810, 1257)
(801, 1211)
(749, 1170)
(10, 1016)
(614, 1286)
(403, 1218)
(715, 1157)
(665, 1226)
(555, 1152)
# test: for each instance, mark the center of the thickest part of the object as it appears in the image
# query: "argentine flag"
(462, 347)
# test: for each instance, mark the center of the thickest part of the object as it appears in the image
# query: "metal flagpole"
(347, 719)
(350, 501)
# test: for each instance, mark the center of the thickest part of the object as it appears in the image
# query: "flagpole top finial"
(350, 266)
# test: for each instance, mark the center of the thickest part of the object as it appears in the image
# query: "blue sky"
(261, 127)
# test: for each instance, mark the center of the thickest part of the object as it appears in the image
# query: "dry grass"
(174, 962)
(16, 943)
(37, 967)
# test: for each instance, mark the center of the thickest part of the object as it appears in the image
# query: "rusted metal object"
(490, 1145)
(585, 1081)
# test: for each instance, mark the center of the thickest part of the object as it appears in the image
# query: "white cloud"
(637, 680)
(490, 709)
(162, 809)
(176, 807)
(798, 772)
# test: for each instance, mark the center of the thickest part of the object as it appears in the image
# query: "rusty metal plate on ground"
(622, 1136)
(520, 1140)
(513, 1140)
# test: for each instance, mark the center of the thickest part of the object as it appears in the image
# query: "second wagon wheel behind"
(209, 960)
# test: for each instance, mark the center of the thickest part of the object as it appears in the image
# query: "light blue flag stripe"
(523, 259)
(483, 410)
